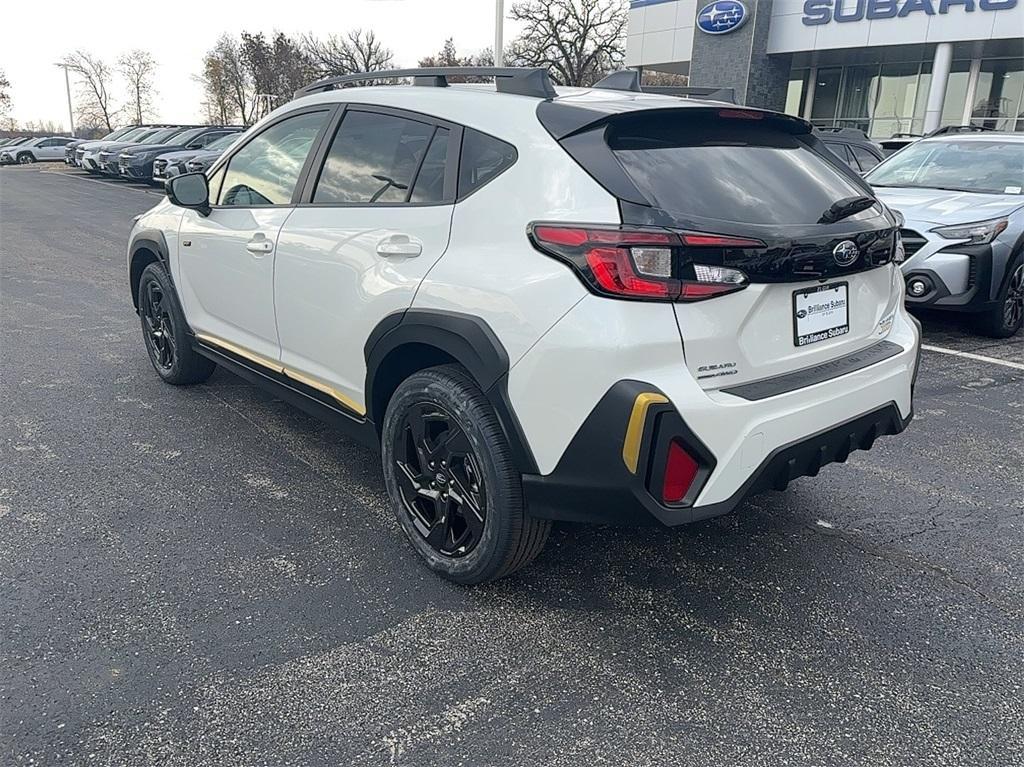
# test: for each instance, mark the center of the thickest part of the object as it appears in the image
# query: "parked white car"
(46, 149)
(583, 303)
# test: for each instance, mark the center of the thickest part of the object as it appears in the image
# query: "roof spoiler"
(533, 82)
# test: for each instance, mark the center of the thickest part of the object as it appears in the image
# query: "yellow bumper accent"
(635, 429)
(277, 367)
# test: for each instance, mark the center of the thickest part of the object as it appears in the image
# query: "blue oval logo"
(722, 17)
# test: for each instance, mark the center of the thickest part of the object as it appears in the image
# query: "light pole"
(499, 31)
(67, 87)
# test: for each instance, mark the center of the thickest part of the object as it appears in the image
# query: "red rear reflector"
(698, 240)
(680, 471)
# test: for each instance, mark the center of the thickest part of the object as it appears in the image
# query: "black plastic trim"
(592, 484)
(154, 241)
(826, 371)
(306, 398)
(466, 339)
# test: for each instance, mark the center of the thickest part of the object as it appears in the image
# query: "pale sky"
(178, 34)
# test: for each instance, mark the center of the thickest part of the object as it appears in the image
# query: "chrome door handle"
(259, 245)
(399, 245)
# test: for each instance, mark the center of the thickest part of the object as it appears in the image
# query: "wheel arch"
(406, 342)
(146, 247)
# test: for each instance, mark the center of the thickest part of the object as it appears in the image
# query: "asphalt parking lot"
(207, 576)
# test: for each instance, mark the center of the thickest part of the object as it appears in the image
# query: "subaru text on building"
(516, 297)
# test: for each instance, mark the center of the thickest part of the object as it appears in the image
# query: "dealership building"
(884, 66)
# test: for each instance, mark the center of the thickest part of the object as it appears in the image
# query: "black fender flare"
(469, 341)
(151, 240)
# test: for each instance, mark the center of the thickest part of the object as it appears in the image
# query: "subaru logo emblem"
(721, 17)
(845, 253)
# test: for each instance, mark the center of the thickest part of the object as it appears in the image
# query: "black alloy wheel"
(440, 480)
(25, 159)
(1013, 306)
(158, 327)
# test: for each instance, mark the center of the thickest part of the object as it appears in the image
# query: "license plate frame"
(808, 329)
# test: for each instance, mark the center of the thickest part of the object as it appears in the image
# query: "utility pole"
(499, 33)
(67, 87)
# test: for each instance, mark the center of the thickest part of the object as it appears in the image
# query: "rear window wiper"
(845, 208)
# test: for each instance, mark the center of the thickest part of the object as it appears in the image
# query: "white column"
(812, 83)
(499, 33)
(972, 90)
(941, 65)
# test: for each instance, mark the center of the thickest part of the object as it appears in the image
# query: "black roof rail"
(960, 129)
(534, 82)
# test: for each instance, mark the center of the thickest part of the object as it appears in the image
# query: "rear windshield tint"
(728, 170)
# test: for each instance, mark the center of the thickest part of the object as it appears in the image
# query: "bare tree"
(449, 57)
(95, 106)
(228, 86)
(663, 79)
(5, 94)
(138, 69)
(357, 51)
(578, 40)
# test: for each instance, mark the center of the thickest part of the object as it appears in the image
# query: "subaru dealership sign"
(841, 11)
(721, 17)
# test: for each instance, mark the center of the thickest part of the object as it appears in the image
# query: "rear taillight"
(680, 471)
(646, 264)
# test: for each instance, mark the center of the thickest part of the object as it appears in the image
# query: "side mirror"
(190, 190)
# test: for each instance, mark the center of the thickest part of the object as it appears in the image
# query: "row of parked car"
(152, 153)
(29, 149)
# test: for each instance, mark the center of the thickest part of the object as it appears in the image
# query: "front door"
(379, 218)
(226, 259)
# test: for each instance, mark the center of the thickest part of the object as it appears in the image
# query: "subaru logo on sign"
(721, 17)
(845, 253)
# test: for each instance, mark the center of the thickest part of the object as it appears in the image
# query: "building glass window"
(796, 91)
(826, 95)
(856, 97)
(895, 99)
(997, 99)
(956, 94)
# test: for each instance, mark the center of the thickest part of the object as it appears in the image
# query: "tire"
(26, 158)
(165, 333)
(446, 463)
(1007, 316)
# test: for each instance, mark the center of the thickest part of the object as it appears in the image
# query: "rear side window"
(730, 170)
(484, 158)
(373, 159)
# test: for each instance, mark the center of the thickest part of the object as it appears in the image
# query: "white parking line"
(98, 181)
(970, 356)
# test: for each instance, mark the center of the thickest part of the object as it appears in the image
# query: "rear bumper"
(592, 484)
(760, 437)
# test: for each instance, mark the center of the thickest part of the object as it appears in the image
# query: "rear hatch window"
(737, 171)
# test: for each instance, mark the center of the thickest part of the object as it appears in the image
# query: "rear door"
(375, 217)
(821, 284)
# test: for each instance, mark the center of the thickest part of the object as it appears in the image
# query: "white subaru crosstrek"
(540, 304)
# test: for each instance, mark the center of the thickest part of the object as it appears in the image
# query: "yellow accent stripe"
(277, 367)
(635, 429)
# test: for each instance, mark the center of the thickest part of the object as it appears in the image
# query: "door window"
(864, 158)
(266, 170)
(373, 159)
(429, 184)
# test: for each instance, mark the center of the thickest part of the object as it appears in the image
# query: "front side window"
(266, 170)
(991, 166)
(864, 158)
(373, 159)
